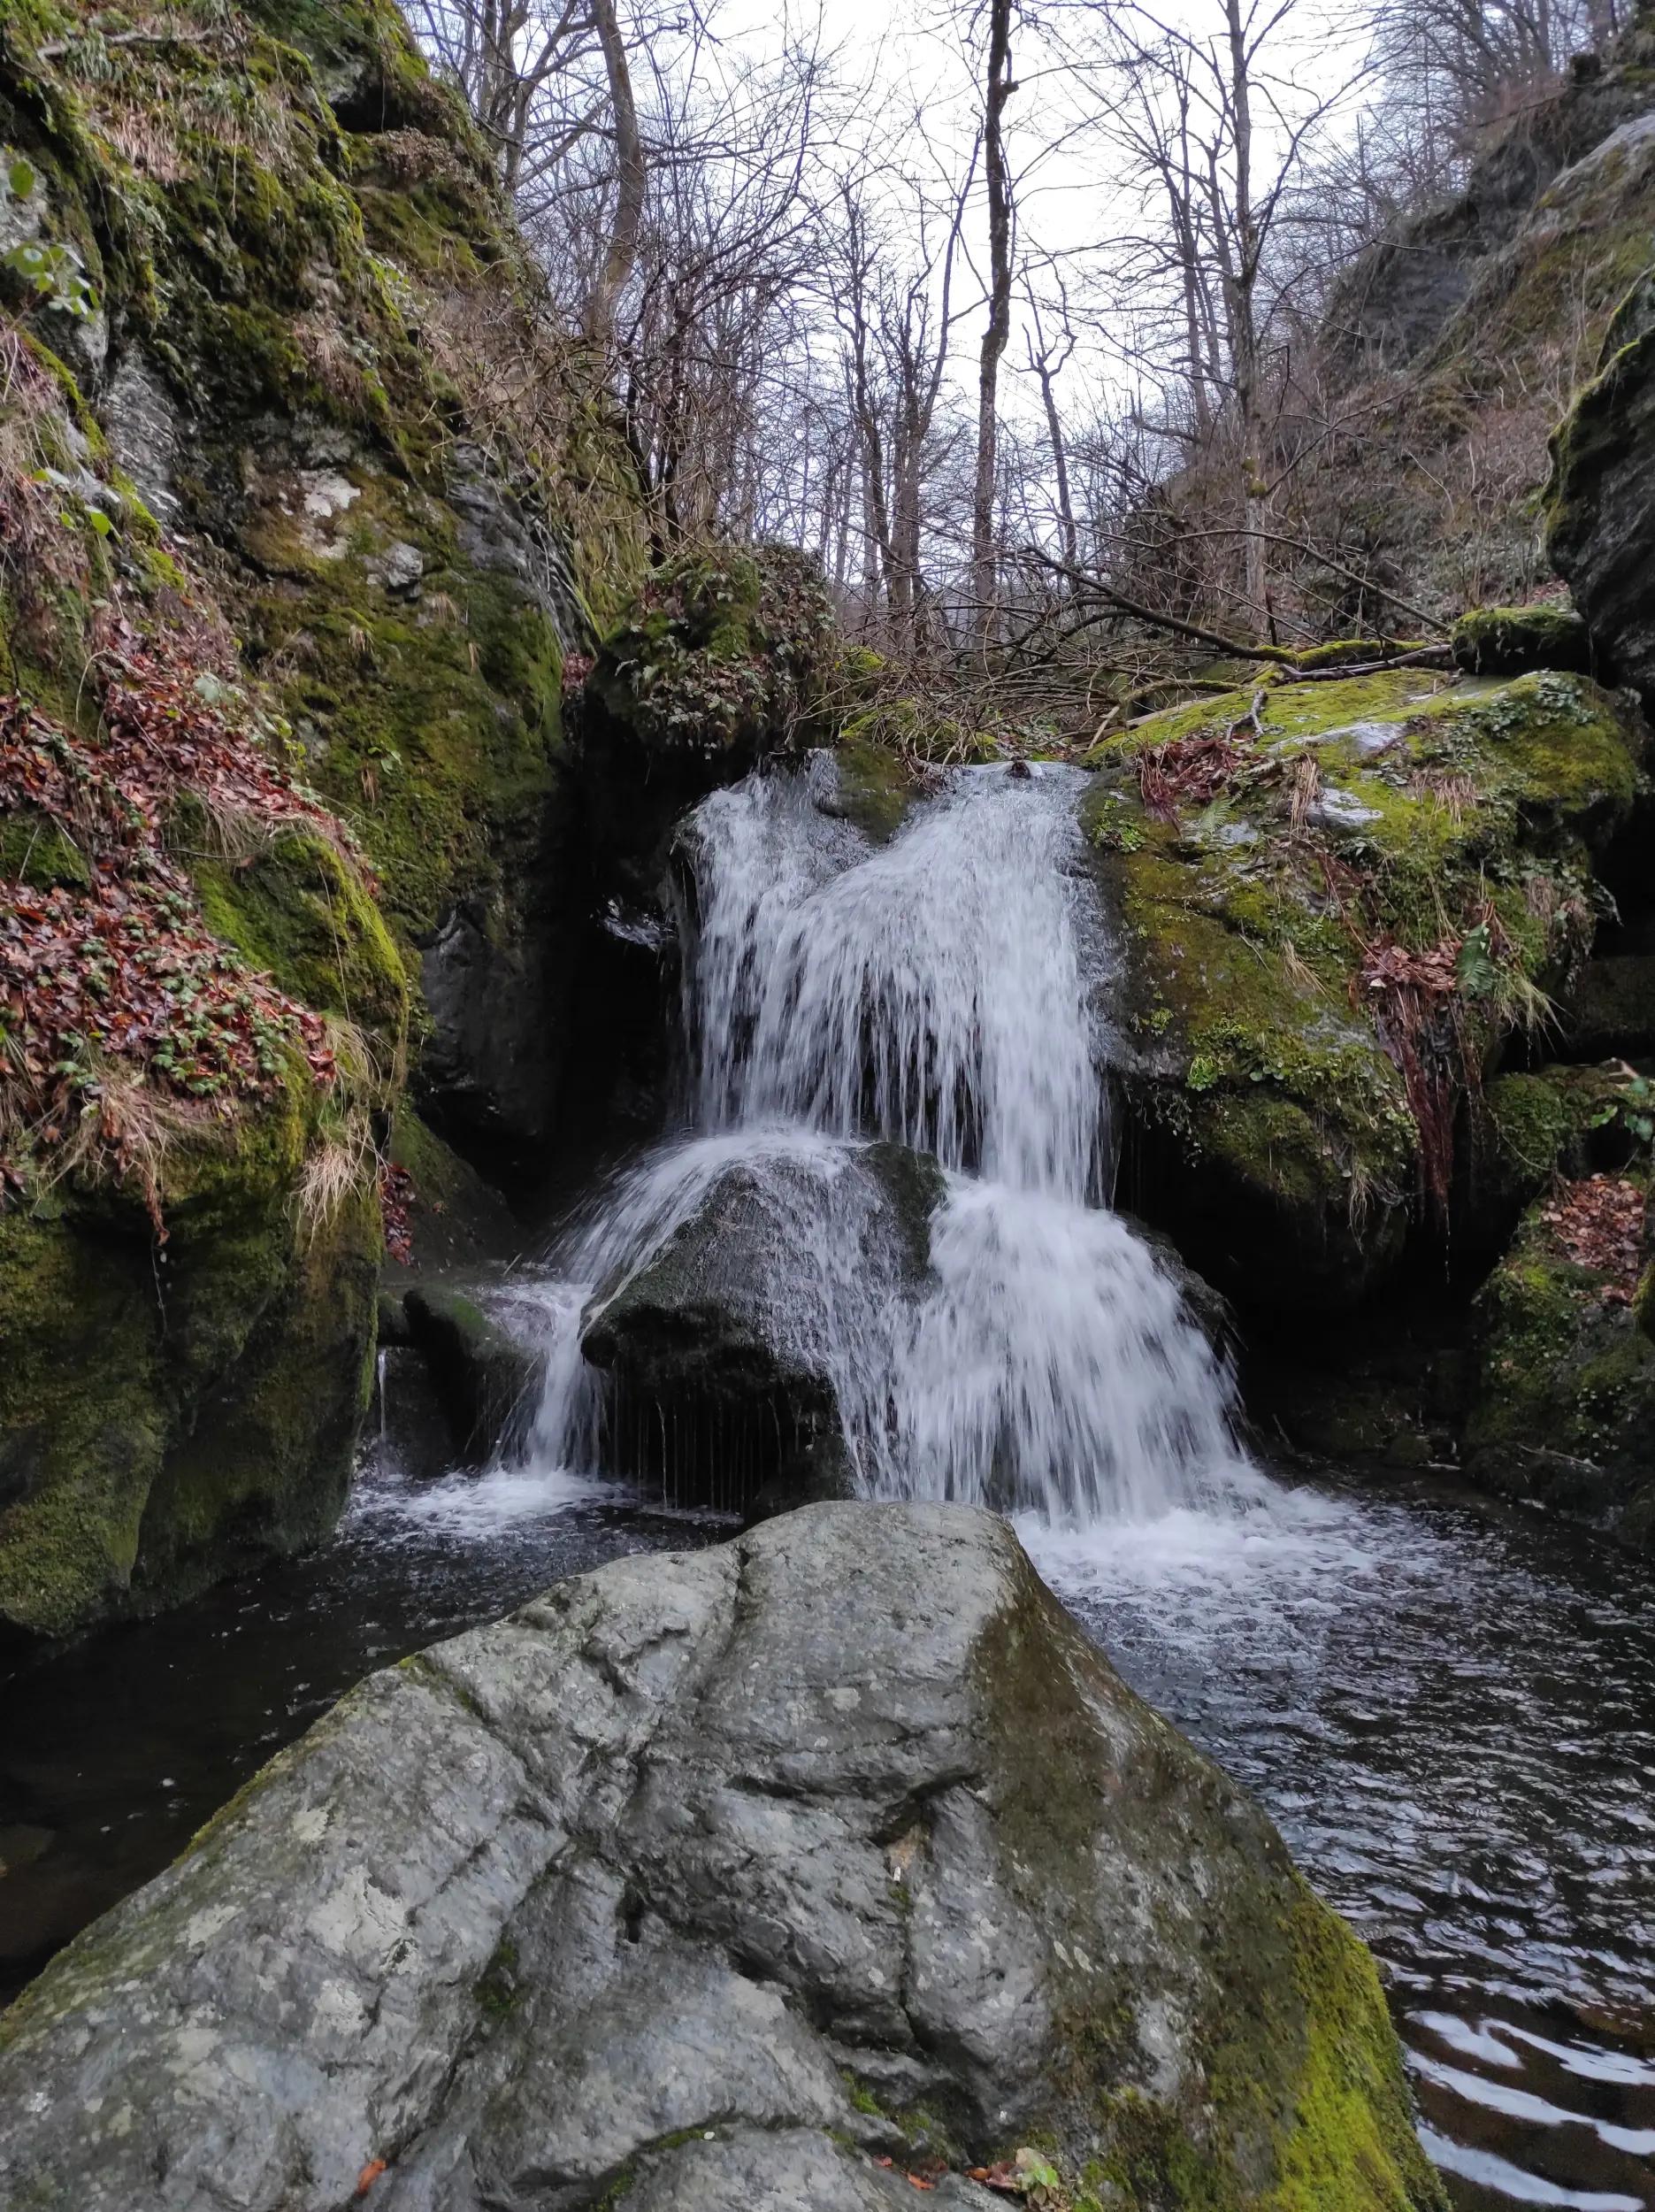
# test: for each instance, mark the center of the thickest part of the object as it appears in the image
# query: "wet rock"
(495, 982)
(483, 1377)
(1613, 1010)
(683, 1888)
(722, 1349)
(1563, 1403)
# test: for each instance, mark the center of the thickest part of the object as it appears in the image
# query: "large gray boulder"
(714, 1880)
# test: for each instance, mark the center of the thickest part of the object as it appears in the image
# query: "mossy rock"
(171, 1413)
(298, 908)
(727, 652)
(484, 1378)
(875, 788)
(1612, 1007)
(1273, 1131)
(37, 851)
(1563, 1410)
(296, 287)
(873, 1735)
(292, 384)
(1512, 641)
(723, 658)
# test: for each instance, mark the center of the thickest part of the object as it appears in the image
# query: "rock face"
(1453, 335)
(727, 1349)
(277, 481)
(1602, 533)
(163, 1422)
(1336, 910)
(715, 1880)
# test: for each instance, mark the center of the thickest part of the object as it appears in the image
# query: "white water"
(933, 992)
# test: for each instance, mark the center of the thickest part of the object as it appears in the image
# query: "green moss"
(876, 789)
(726, 652)
(1512, 641)
(436, 733)
(916, 732)
(1561, 1370)
(1423, 805)
(35, 850)
(165, 1416)
(499, 1990)
(299, 908)
(1532, 1120)
(1295, 2100)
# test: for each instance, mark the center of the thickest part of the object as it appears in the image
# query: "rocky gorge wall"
(288, 580)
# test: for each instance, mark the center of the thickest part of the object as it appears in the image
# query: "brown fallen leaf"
(369, 2175)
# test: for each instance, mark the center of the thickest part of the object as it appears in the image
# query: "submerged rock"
(727, 1348)
(755, 1877)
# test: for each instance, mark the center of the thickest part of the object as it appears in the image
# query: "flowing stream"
(1450, 1711)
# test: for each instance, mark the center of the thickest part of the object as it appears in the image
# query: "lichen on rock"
(680, 1880)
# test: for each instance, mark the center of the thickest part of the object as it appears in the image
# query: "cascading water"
(931, 994)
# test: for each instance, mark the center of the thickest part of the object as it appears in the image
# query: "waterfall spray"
(931, 993)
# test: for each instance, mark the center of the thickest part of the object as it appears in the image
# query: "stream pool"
(1450, 1713)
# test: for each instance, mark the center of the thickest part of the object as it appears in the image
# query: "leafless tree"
(998, 86)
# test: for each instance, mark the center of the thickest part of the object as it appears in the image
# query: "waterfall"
(932, 993)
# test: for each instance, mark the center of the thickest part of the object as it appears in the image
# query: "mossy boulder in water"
(763, 1874)
(484, 1378)
(1337, 900)
(1563, 1410)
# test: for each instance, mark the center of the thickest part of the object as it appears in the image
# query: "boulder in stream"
(483, 1379)
(760, 1876)
(730, 1351)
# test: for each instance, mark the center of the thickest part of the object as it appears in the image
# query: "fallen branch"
(1277, 656)
(1417, 657)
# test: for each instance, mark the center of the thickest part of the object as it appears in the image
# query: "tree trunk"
(1244, 334)
(629, 178)
(997, 90)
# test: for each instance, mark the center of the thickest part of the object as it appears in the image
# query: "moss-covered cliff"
(302, 508)
(1454, 346)
(1341, 898)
